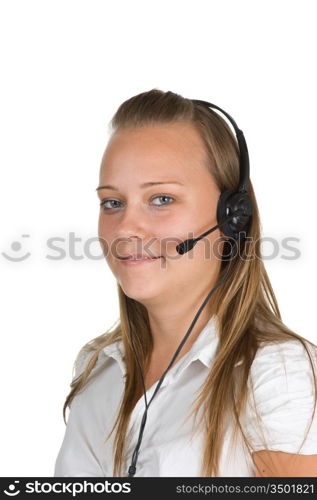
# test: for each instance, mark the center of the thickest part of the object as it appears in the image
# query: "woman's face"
(161, 194)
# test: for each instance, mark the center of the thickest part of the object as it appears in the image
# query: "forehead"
(172, 148)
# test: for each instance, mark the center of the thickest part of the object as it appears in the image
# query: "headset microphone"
(187, 245)
(234, 211)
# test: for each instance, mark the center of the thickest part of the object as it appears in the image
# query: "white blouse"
(284, 398)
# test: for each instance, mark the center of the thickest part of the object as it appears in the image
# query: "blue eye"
(110, 200)
(163, 196)
(103, 204)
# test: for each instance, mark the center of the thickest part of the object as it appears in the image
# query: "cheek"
(104, 235)
(106, 227)
(171, 236)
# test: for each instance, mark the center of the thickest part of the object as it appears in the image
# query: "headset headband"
(244, 163)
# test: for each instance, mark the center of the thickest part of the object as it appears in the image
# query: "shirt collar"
(204, 347)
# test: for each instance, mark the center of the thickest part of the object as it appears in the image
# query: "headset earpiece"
(228, 203)
(231, 201)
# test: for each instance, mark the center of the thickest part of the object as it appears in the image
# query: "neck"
(170, 324)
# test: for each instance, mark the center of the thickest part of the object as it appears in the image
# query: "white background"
(66, 66)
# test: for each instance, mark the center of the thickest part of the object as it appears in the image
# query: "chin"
(141, 292)
(136, 293)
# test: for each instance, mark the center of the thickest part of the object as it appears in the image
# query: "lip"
(131, 262)
(136, 256)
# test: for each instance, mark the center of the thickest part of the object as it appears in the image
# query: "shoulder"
(114, 349)
(280, 405)
(282, 396)
(283, 360)
(81, 361)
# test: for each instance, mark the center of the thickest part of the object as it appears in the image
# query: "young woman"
(239, 397)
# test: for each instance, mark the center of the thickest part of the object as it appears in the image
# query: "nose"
(131, 223)
(129, 231)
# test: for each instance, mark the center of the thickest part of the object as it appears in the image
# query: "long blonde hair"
(245, 306)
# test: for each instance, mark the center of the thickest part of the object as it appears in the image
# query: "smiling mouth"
(142, 258)
(139, 257)
(138, 261)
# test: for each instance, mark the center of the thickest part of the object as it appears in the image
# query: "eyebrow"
(146, 184)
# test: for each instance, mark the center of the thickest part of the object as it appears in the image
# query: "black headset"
(234, 208)
(234, 211)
